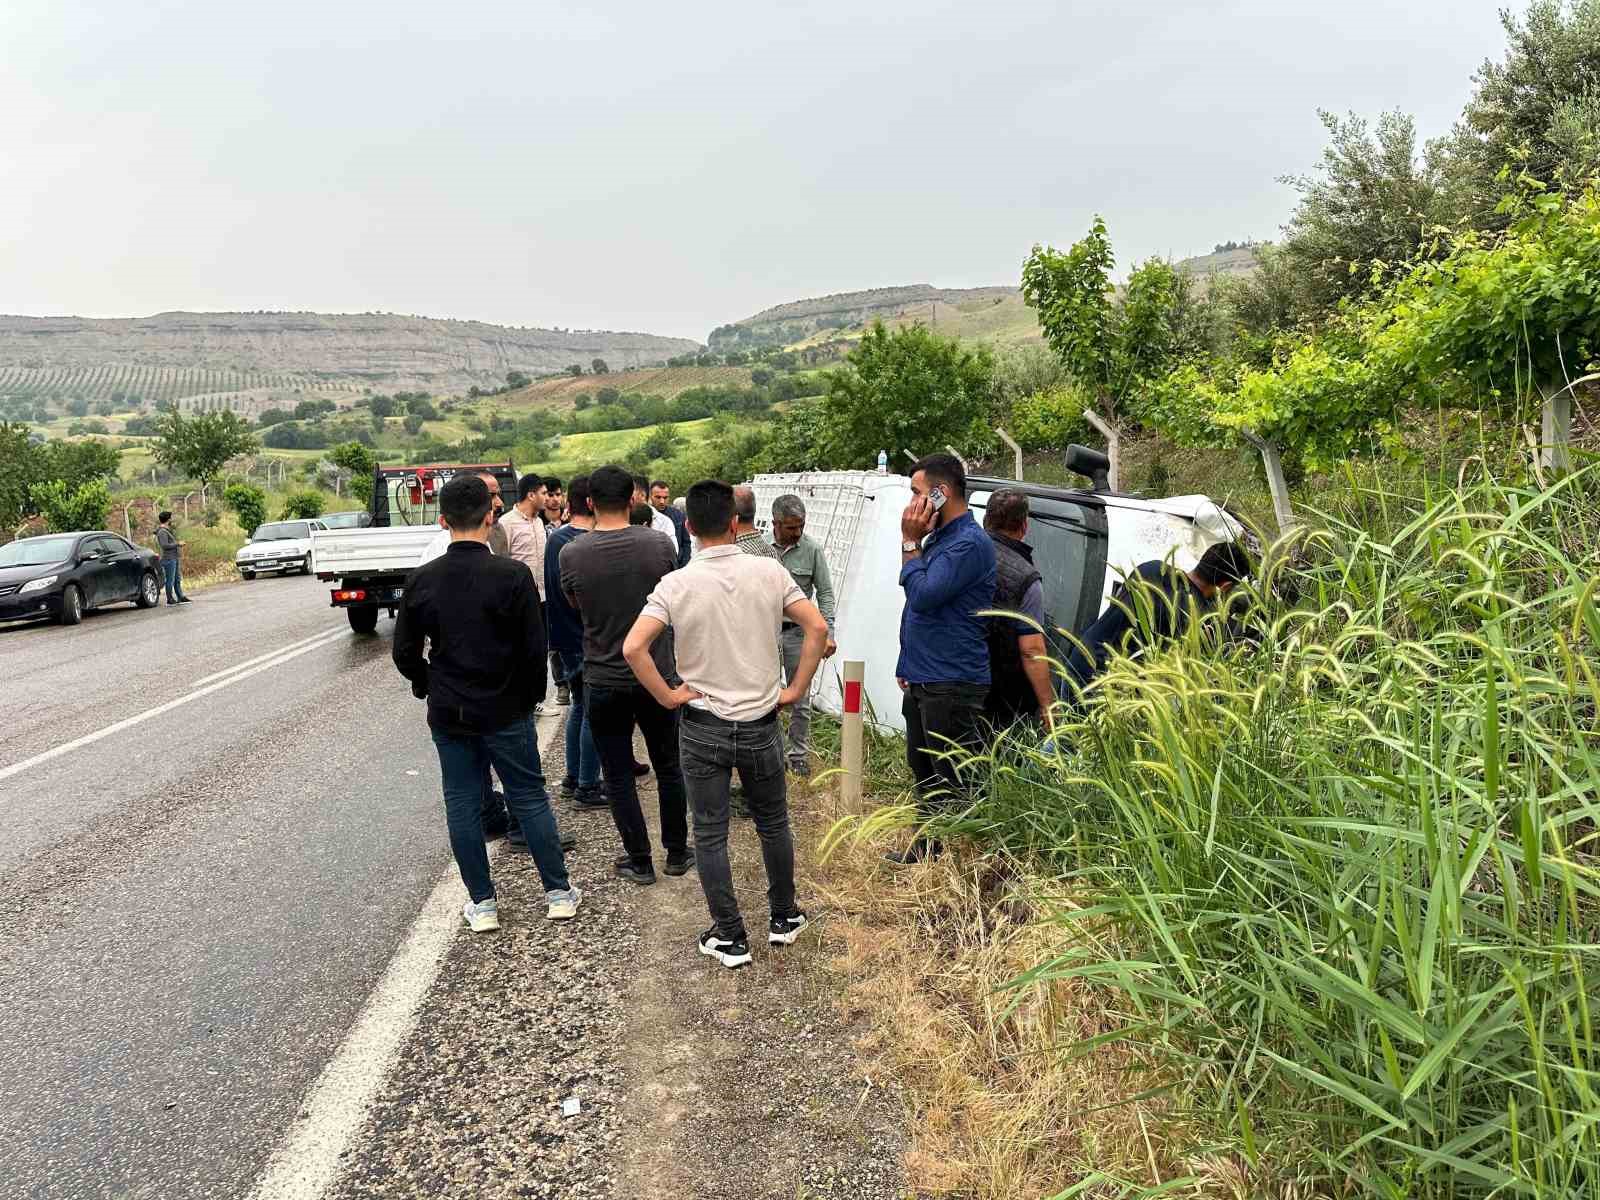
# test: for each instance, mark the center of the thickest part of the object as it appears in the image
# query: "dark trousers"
(613, 712)
(172, 573)
(942, 718)
(712, 750)
(463, 761)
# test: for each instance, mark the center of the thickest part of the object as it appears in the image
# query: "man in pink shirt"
(726, 608)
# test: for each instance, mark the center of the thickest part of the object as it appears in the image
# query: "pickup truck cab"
(277, 546)
(370, 564)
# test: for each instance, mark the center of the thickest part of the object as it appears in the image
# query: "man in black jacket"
(1020, 686)
(485, 668)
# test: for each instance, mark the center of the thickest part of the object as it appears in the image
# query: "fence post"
(1016, 451)
(1113, 436)
(127, 524)
(850, 735)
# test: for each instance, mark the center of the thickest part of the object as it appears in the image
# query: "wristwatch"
(909, 547)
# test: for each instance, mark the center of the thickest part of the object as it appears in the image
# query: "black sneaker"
(586, 799)
(730, 952)
(569, 787)
(563, 695)
(640, 770)
(679, 864)
(782, 931)
(626, 868)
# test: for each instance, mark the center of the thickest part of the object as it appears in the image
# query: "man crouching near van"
(726, 608)
(485, 668)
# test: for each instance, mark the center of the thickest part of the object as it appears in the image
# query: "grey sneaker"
(563, 905)
(483, 917)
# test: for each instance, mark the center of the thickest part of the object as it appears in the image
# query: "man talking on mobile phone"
(947, 570)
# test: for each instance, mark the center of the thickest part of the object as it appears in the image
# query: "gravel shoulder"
(691, 1080)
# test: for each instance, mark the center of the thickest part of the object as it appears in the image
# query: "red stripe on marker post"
(852, 696)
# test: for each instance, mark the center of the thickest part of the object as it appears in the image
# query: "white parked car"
(277, 546)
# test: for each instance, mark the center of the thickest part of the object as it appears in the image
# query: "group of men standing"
(661, 624)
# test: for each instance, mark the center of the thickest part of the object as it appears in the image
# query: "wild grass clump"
(1340, 877)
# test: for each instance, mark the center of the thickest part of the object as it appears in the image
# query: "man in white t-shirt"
(726, 608)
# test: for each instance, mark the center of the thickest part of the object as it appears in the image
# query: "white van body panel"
(855, 517)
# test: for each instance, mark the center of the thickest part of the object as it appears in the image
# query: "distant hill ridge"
(381, 350)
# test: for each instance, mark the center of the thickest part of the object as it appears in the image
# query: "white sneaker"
(482, 918)
(538, 709)
(564, 905)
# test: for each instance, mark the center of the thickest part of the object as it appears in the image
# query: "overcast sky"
(660, 167)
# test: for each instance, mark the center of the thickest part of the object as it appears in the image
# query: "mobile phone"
(936, 498)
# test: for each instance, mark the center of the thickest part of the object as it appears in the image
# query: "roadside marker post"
(850, 735)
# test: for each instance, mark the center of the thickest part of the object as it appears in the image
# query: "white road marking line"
(89, 739)
(250, 662)
(306, 1163)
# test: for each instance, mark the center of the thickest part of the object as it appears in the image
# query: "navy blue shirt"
(566, 626)
(681, 524)
(1162, 610)
(942, 639)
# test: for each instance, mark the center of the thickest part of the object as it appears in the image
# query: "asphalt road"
(194, 906)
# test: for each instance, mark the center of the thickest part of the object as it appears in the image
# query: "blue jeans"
(463, 761)
(170, 571)
(583, 760)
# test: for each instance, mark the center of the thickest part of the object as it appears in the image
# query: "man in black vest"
(1020, 684)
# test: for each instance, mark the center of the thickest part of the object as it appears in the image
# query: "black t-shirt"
(610, 573)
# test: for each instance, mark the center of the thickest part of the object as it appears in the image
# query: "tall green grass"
(1341, 877)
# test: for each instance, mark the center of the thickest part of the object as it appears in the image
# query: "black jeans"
(613, 711)
(941, 718)
(712, 750)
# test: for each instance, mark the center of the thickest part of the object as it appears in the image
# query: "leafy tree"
(273, 416)
(575, 369)
(907, 389)
(141, 426)
(660, 442)
(78, 407)
(249, 502)
(67, 509)
(1374, 206)
(517, 379)
(200, 445)
(1536, 111)
(79, 463)
(598, 366)
(303, 504)
(355, 458)
(582, 401)
(382, 406)
(413, 423)
(419, 405)
(310, 410)
(1050, 419)
(21, 467)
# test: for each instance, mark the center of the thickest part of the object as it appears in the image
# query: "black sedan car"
(63, 575)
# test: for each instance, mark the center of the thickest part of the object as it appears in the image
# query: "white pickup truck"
(370, 565)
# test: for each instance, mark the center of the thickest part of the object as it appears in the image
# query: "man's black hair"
(642, 482)
(528, 485)
(164, 515)
(611, 489)
(464, 502)
(578, 496)
(944, 469)
(552, 484)
(1006, 511)
(1225, 562)
(641, 514)
(709, 507)
(661, 483)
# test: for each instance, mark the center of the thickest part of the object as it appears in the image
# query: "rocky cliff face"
(375, 349)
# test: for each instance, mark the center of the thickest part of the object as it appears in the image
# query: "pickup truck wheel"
(247, 574)
(71, 605)
(305, 565)
(149, 590)
(363, 619)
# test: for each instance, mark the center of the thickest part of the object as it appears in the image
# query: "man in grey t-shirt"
(606, 575)
(171, 558)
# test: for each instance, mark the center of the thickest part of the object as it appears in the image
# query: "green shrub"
(1050, 420)
(305, 503)
(84, 507)
(249, 503)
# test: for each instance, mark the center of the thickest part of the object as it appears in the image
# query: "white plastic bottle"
(883, 462)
